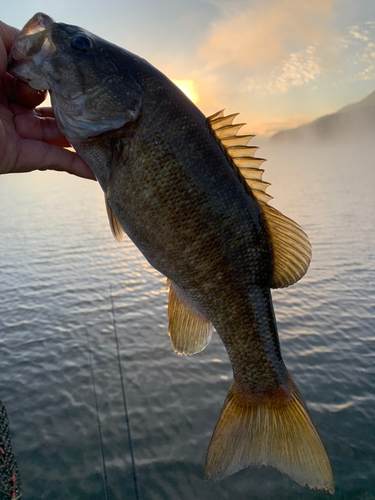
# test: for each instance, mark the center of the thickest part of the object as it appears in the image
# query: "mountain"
(356, 120)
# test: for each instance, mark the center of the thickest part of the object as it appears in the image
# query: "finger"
(21, 93)
(36, 155)
(27, 96)
(7, 35)
(31, 126)
(45, 111)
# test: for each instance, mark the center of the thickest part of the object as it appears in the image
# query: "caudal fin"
(282, 436)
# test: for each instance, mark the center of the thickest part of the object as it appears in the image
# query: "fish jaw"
(39, 22)
(30, 49)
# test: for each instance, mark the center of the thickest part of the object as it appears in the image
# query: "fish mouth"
(31, 47)
(30, 39)
(39, 22)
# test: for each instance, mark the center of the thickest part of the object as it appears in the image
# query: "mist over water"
(58, 261)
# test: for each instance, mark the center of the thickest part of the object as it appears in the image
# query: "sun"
(188, 88)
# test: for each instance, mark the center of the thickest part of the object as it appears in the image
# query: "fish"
(188, 191)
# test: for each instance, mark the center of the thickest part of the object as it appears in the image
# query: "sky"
(279, 63)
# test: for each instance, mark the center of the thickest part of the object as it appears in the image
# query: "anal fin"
(190, 331)
(267, 432)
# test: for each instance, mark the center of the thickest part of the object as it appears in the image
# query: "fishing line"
(124, 398)
(99, 425)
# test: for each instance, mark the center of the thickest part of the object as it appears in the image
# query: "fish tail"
(281, 435)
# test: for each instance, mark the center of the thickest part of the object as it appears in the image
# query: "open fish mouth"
(30, 49)
(39, 22)
(32, 46)
(31, 38)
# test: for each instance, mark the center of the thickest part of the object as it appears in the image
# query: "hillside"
(355, 120)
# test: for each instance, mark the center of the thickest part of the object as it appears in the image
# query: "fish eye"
(82, 43)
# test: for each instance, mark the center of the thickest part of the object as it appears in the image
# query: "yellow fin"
(242, 154)
(291, 249)
(269, 433)
(228, 131)
(213, 117)
(248, 162)
(252, 173)
(190, 331)
(261, 195)
(222, 121)
(239, 151)
(236, 140)
(113, 222)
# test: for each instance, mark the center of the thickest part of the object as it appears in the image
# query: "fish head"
(89, 93)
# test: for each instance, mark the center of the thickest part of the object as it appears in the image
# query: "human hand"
(29, 138)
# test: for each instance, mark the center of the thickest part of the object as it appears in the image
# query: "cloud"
(270, 46)
(356, 35)
(349, 57)
(359, 44)
(264, 34)
(278, 62)
(298, 69)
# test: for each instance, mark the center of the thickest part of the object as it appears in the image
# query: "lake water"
(58, 265)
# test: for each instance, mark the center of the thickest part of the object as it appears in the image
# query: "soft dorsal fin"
(291, 249)
(189, 330)
(113, 222)
(290, 245)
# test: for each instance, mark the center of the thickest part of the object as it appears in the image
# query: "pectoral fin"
(190, 331)
(113, 222)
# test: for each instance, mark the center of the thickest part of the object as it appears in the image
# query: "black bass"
(189, 192)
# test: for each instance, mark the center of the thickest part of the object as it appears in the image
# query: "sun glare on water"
(188, 88)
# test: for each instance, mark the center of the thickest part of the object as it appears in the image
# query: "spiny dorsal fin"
(236, 140)
(113, 222)
(239, 151)
(291, 249)
(228, 131)
(223, 121)
(242, 155)
(213, 117)
(189, 330)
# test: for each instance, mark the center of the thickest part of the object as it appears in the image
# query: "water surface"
(58, 265)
